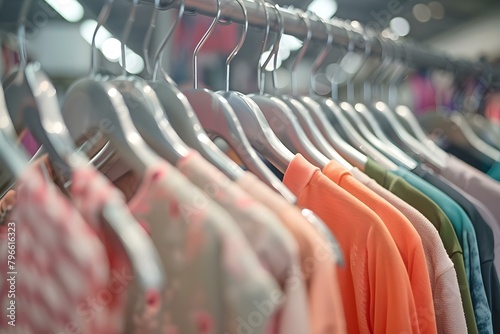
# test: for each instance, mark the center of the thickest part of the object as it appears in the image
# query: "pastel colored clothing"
(438, 218)
(450, 317)
(374, 283)
(494, 171)
(212, 273)
(404, 235)
(467, 237)
(317, 261)
(270, 240)
(61, 265)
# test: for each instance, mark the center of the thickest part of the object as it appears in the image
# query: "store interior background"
(59, 32)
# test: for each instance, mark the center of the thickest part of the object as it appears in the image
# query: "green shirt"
(408, 193)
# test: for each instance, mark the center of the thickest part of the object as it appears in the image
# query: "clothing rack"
(414, 55)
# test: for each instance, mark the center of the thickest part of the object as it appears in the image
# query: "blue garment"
(494, 171)
(467, 238)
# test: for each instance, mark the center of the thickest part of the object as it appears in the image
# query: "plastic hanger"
(12, 159)
(145, 108)
(177, 109)
(376, 137)
(302, 113)
(93, 106)
(352, 155)
(335, 115)
(255, 126)
(385, 114)
(281, 118)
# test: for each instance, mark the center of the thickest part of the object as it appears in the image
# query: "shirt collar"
(298, 174)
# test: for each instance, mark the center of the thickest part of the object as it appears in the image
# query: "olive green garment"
(399, 187)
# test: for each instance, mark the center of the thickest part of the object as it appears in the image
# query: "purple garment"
(30, 143)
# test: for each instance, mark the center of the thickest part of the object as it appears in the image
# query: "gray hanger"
(352, 155)
(335, 115)
(302, 113)
(177, 109)
(281, 118)
(384, 113)
(376, 138)
(244, 105)
(93, 106)
(12, 159)
(146, 110)
(32, 105)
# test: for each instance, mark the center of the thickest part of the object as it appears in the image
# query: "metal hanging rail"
(415, 55)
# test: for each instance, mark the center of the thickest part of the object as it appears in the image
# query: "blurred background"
(59, 34)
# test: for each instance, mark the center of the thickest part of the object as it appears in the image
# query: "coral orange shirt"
(375, 287)
(404, 235)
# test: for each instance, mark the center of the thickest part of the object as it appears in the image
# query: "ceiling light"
(323, 8)
(422, 13)
(70, 10)
(400, 26)
(437, 10)
(111, 49)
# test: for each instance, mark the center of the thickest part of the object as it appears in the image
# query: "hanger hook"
(148, 37)
(126, 33)
(350, 50)
(302, 51)
(260, 83)
(202, 41)
(240, 43)
(322, 55)
(367, 42)
(21, 33)
(159, 53)
(101, 19)
(276, 46)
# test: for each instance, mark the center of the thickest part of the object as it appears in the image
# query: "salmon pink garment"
(317, 262)
(450, 316)
(215, 283)
(375, 286)
(62, 266)
(404, 235)
(271, 241)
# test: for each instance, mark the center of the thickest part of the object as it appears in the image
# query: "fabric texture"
(438, 218)
(270, 240)
(494, 171)
(485, 241)
(326, 312)
(374, 283)
(62, 267)
(212, 271)
(450, 317)
(467, 237)
(405, 237)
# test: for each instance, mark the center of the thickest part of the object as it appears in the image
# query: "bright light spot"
(290, 42)
(355, 25)
(358, 107)
(134, 62)
(352, 63)
(112, 92)
(283, 53)
(344, 105)
(70, 10)
(389, 34)
(270, 65)
(323, 8)
(111, 49)
(400, 26)
(335, 74)
(87, 29)
(437, 10)
(380, 106)
(422, 13)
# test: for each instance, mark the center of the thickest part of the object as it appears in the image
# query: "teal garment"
(494, 171)
(467, 237)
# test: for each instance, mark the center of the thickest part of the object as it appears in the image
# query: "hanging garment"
(401, 188)
(62, 267)
(375, 287)
(485, 237)
(270, 240)
(405, 237)
(450, 316)
(91, 192)
(212, 271)
(317, 262)
(494, 171)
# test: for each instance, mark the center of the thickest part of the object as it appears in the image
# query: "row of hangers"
(145, 120)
